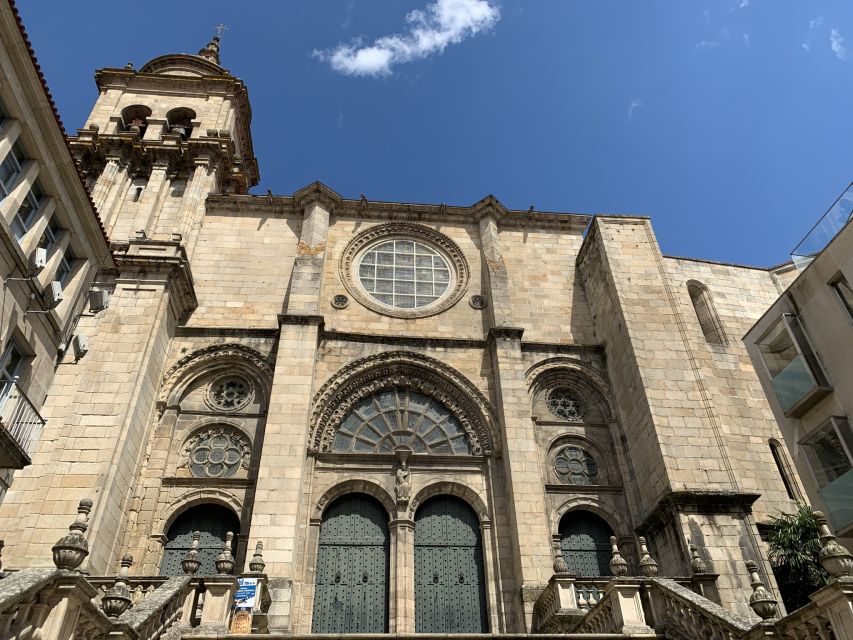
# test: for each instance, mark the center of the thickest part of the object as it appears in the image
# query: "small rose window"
(575, 466)
(565, 405)
(217, 453)
(229, 393)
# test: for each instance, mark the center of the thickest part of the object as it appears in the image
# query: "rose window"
(565, 405)
(405, 274)
(217, 454)
(575, 466)
(229, 393)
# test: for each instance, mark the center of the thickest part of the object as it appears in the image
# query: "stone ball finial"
(190, 562)
(761, 601)
(117, 599)
(71, 549)
(618, 564)
(648, 565)
(697, 565)
(257, 563)
(834, 557)
(560, 564)
(225, 561)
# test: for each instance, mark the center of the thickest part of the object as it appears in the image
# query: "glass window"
(793, 367)
(11, 362)
(26, 214)
(829, 451)
(10, 168)
(63, 272)
(845, 295)
(397, 417)
(405, 274)
(50, 235)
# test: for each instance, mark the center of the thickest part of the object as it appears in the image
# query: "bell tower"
(160, 139)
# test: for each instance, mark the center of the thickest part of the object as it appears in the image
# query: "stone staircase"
(64, 604)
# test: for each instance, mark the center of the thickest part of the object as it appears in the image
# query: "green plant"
(794, 554)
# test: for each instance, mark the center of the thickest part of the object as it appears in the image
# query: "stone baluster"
(834, 557)
(560, 564)
(71, 549)
(257, 563)
(648, 565)
(117, 599)
(190, 562)
(618, 564)
(760, 601)
(225, 561)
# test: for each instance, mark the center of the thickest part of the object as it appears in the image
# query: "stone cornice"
(402, 211)
(144, 260)
(706, 501)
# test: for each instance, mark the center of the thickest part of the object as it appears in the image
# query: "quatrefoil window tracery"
(217, 452)
(573, 465)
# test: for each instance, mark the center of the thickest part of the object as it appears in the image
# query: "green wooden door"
(351, 593)
(585, 542)
(450, 591)
(212, 522)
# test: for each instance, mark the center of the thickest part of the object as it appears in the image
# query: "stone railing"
(683, 614)
(140, 587)
(163, 609)
(829, 616)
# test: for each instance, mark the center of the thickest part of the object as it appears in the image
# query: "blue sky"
(738, 139)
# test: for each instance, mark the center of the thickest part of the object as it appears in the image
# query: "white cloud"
(743, 4)
(430, 31)
(745, 38)
(813, 24)
(836, 43)
(635, 104)
(705, 45)
(340, 122)
(706, 16)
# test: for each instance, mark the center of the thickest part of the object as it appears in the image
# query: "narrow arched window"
(712, 328)
(785, 471)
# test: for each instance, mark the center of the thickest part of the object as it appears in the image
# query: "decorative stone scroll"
(404, 370)
(408, 231)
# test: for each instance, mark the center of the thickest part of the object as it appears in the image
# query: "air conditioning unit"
(38, 260)
(81, 345)
(53, 294)
(99, 299)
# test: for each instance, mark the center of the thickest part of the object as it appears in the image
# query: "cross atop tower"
(220, 29)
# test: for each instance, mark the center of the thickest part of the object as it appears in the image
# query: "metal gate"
(585, 542)
(212, 521)
(351, 593)
(450, 591)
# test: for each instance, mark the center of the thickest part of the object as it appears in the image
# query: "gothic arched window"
(709, 321)
(401, 417)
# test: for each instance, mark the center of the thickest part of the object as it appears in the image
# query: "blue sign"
(247, 589)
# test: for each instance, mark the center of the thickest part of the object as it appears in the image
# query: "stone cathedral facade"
(417, 409)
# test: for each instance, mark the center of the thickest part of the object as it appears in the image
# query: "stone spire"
(211, 51)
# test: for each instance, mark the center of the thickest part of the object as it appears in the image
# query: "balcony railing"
(21, 426)
(825, 230)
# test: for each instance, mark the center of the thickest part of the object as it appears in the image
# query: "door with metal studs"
(585, 543)
(212, 522)
(450, 593)
(351, 592)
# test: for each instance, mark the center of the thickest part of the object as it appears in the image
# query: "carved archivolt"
(408, 231)
(402, 369)
(208, 359)
(568, 373)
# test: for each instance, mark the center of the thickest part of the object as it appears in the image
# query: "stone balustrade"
(677, 610)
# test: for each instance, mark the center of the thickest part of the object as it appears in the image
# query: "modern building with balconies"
(802, 349)
(52, 247)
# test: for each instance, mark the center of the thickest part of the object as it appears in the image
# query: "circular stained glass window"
(575, 466)
(216, 454)
(229, 393)
(405, 274)
(565, 405)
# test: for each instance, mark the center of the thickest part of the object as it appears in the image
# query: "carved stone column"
(402, 579)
